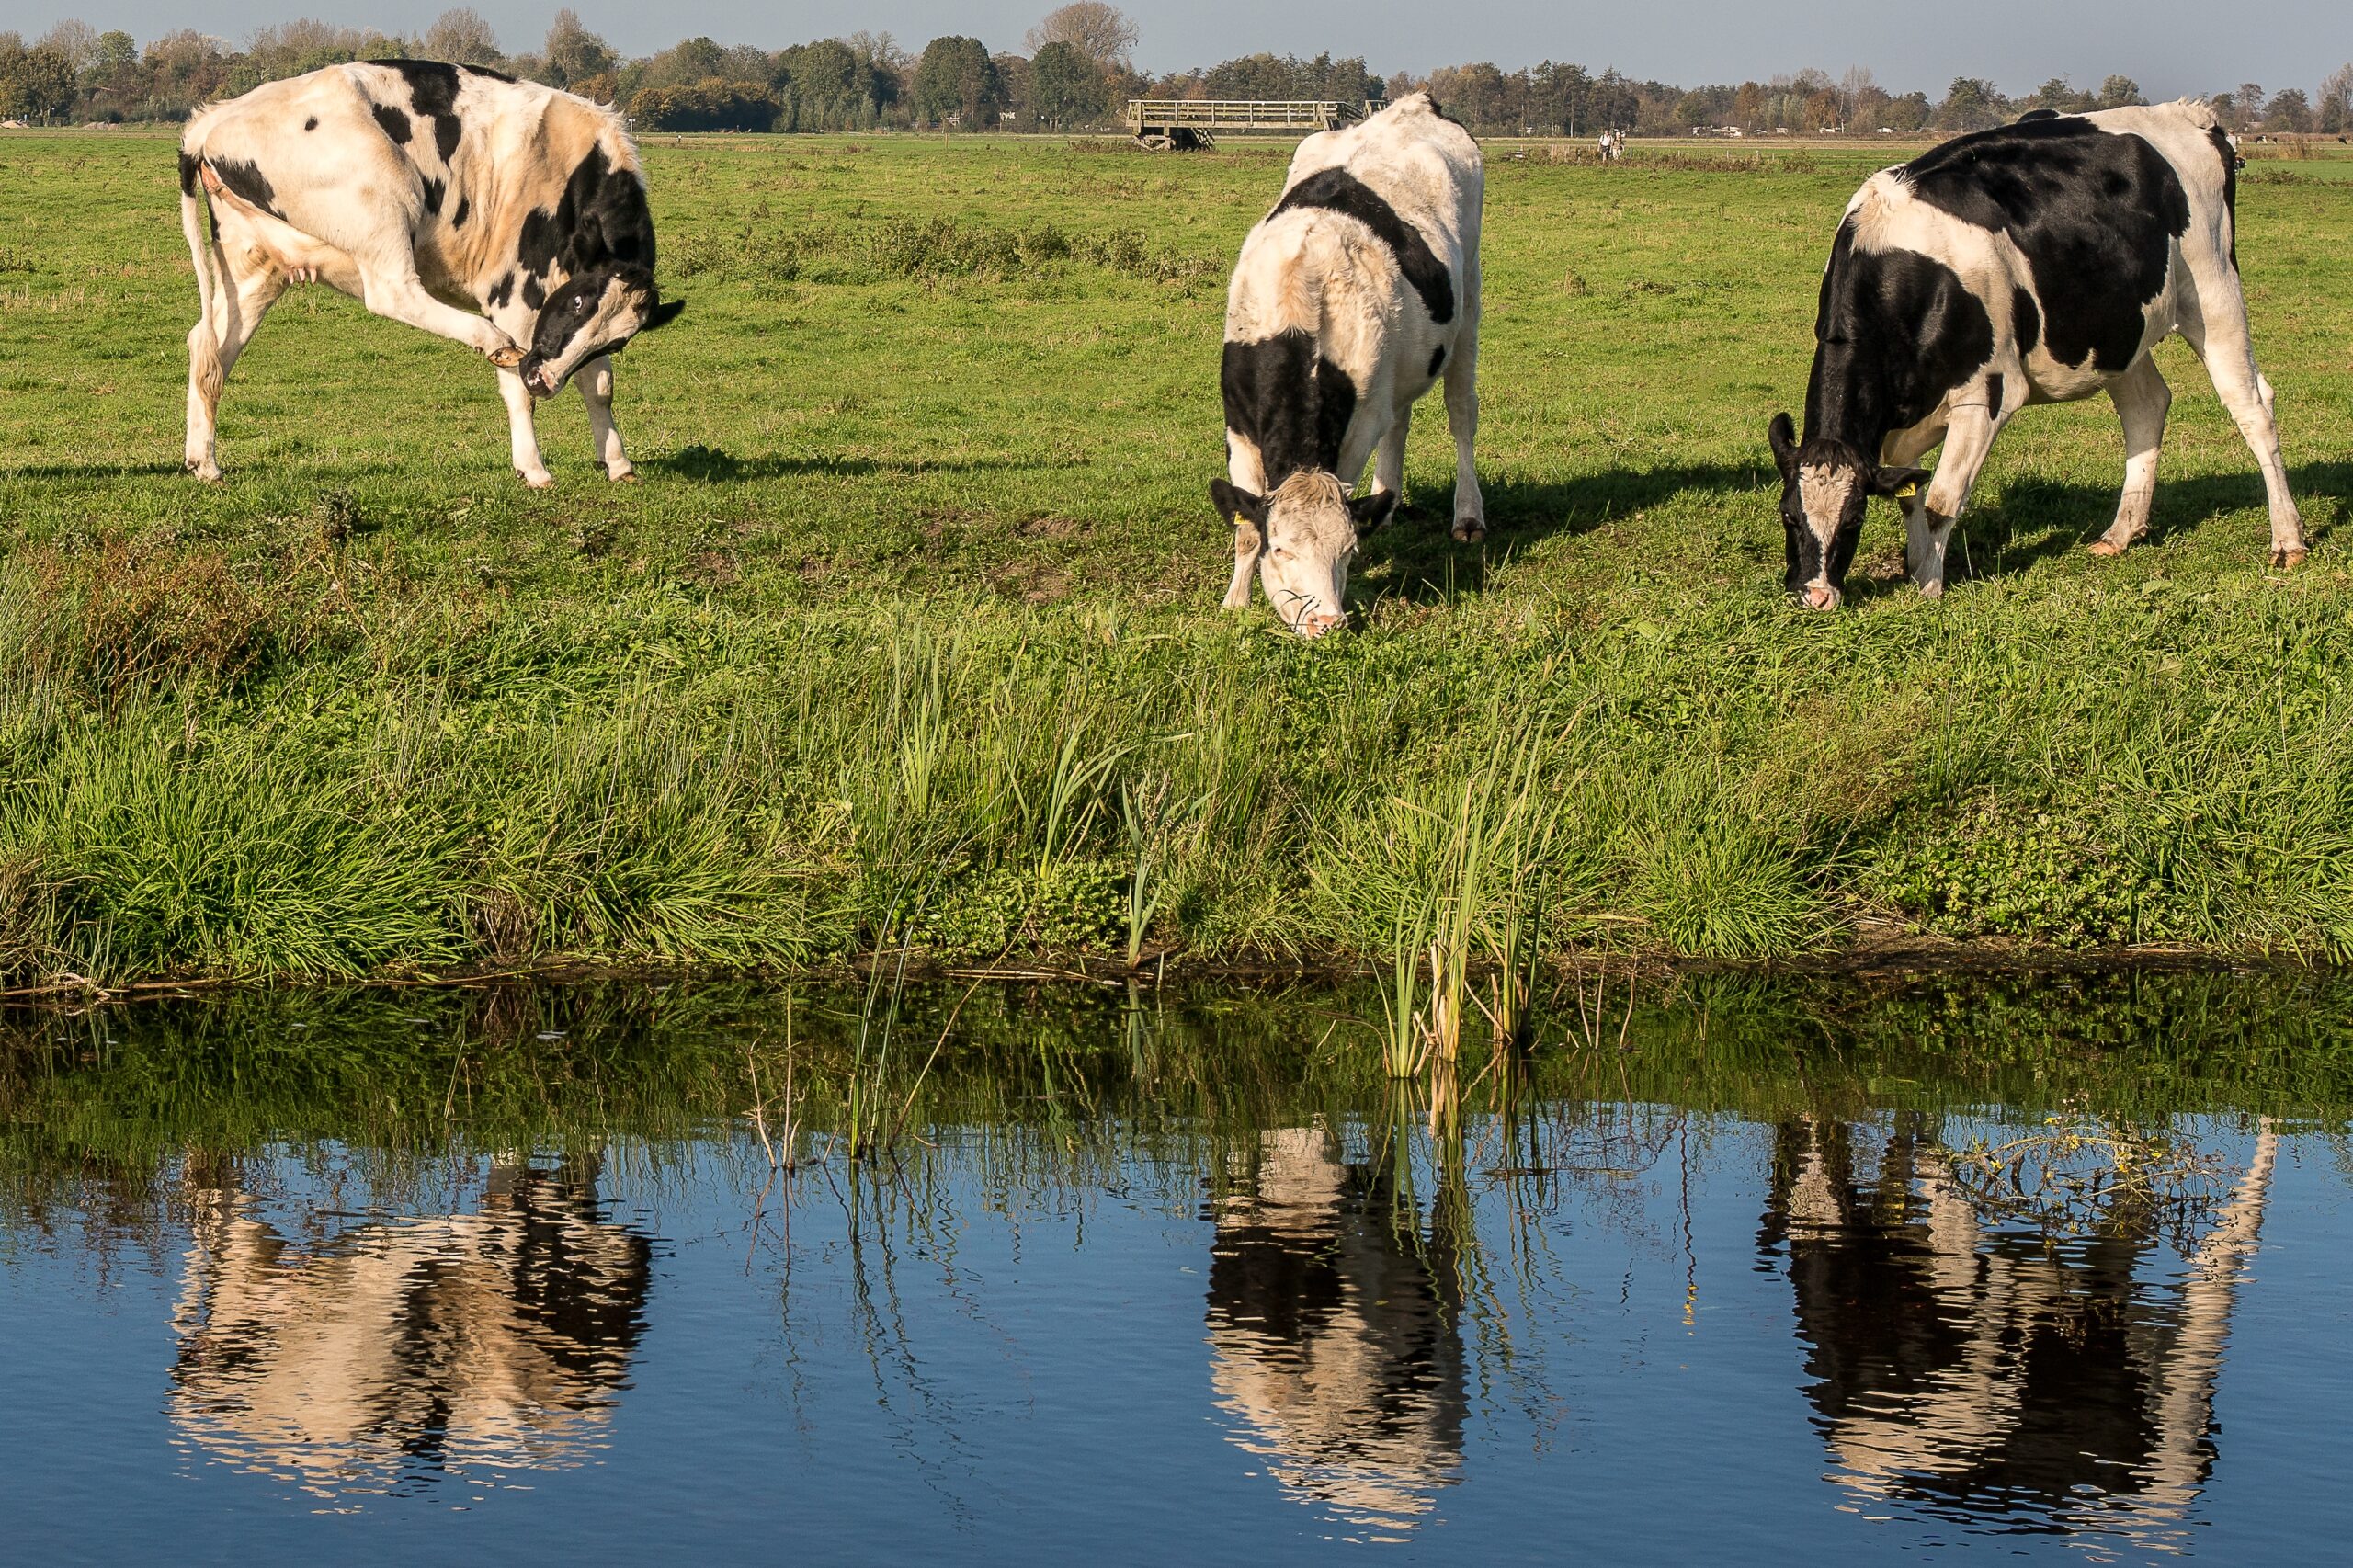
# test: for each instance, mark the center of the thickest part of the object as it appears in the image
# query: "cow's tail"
(203, 348)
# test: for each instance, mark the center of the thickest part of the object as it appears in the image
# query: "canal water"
(1824, 1271)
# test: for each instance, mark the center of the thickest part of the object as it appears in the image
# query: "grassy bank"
(910, 636)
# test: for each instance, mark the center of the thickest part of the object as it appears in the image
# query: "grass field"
(911, 634)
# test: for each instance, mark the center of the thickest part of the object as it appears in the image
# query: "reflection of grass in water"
(2082, 1174)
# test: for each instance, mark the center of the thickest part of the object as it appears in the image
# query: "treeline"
(1076, 72)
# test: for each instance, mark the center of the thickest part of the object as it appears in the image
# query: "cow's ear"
(1783, 436)
(1371, 511)
(1237, 506)
(1897, 481)
(663, 315)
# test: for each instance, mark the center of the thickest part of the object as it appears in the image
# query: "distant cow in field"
(2039, 262)
(1350, 300)
(430, 192)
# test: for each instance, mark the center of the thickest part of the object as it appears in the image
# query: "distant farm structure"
(1182, 125)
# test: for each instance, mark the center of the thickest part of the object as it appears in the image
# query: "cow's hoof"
(1470, 531)
(2287, 559)
(2106, 549)
(505, 358)
(1932, 590)
(626, 476)
(540, 481)
(205, 470)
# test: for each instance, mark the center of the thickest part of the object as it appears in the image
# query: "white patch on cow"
(1823, 490)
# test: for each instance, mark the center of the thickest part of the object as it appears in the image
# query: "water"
(371, 1279)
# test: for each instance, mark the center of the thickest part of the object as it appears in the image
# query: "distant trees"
(1077, 66)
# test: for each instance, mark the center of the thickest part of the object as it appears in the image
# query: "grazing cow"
(430, 192)
(2039, 262)
(1350, 300)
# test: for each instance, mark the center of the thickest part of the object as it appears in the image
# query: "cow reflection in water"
(1332, 1336)
(1975, 1372)
(460, 1344)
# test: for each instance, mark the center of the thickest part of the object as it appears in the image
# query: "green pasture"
(910, 636)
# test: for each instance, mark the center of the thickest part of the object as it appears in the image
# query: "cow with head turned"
(1352, 299)
(2039, 262)
(503, 214)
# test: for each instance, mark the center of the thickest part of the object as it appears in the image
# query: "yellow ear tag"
(1909, 491)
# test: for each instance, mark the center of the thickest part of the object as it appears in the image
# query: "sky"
(2168, 46)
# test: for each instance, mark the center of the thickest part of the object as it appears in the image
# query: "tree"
(1104, 34)
(573, 53)
(35, 83)
(116, 52)
(2288, 113)
(2335, 115)
(2119, 92)
(956, 80)
(1067, 85)
(461, 37)
(74, 41)
(1971, 104)
(1748, 106)
(2247, 106)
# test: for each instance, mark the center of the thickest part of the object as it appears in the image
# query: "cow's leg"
(2219, 335)
(1903, 450)
(522, 438)
(237, 310)
(1389, 458)
(1462, 423)
(394, 291)
(596, 379)
(1968, 437)
(2142, 399)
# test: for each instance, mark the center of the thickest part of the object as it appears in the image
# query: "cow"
(1349, 300)
(503, 214)
(2038, 262)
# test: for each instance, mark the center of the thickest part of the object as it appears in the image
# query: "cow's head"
(1302, 539)
(595, 313)
(1826, 484)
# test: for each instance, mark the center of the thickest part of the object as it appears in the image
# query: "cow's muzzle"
(538, 379)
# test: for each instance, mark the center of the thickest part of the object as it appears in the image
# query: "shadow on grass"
(713, 465)
(88, 471)
(2039, 519)
(1424, 562)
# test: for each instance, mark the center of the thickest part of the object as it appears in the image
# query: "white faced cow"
(1350, 300)
(430, 192)
(2039, 262)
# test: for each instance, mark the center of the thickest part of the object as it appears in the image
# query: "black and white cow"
(504, 214)
(1350, 300)
(2039, 262)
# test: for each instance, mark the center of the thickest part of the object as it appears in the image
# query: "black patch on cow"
(394, 122)
(486, 71)
(533, 295)
(1438, 360)
(189, 177)
(1896, 331)
(500, 291)
(2095, 213)
(457, 219)
(432, 93)
(311, 123)
(2229, 155)
(601, 218)
(434, 191)
(247, 181)
(1336, 190)
(2034, 114)
(1994, 393)
(1289, 401)
(2026, 321)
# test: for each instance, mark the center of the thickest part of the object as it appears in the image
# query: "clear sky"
(2168, 46)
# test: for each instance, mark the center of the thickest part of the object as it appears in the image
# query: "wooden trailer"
(1182, 124)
